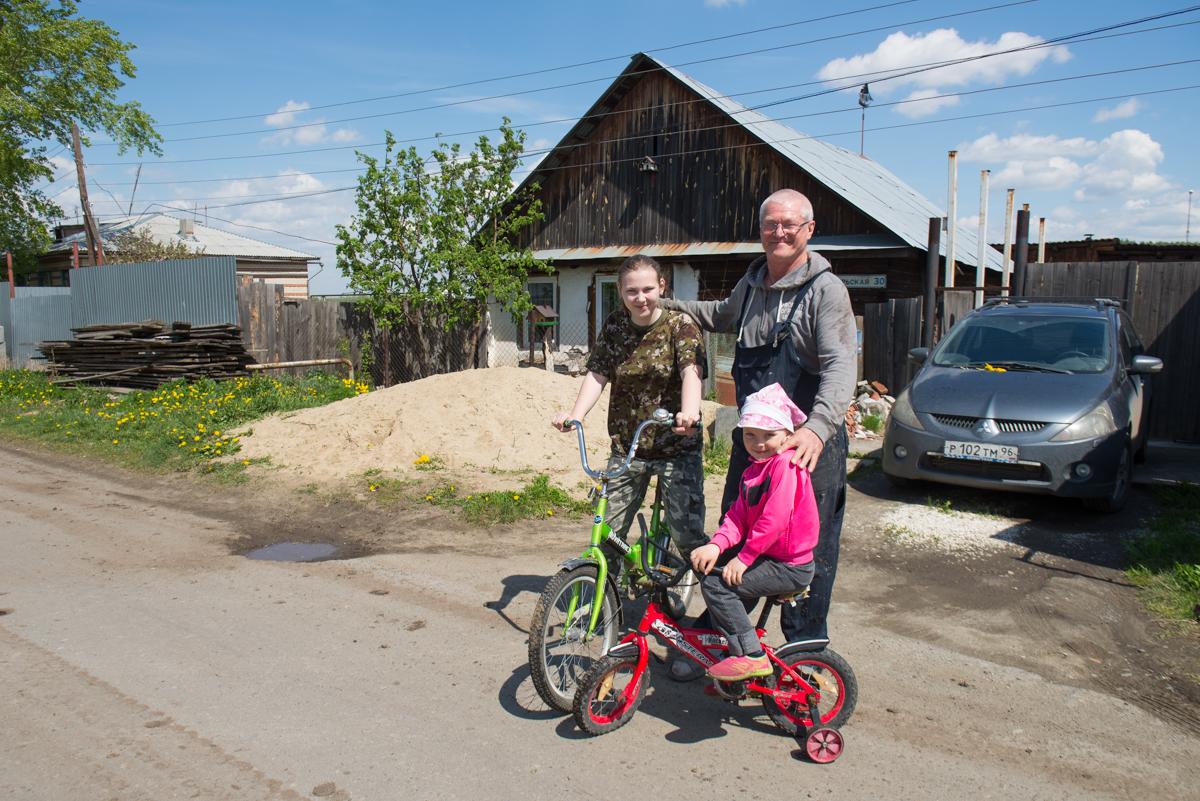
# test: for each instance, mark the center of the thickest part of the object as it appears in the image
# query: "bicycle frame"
(707, 647)
(602, 532)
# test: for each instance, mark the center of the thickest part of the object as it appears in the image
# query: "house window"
(608, 298)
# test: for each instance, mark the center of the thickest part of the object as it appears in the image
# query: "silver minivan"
(1028, 395)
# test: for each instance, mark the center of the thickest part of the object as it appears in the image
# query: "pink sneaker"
(740, 668)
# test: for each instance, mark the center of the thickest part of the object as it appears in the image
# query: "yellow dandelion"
(429, 497)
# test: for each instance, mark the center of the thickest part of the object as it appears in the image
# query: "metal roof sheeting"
(862, 182)
(166, 229)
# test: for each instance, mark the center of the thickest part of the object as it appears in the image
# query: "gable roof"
(861, 182)
(166, 229)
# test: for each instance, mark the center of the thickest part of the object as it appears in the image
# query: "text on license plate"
(980, 451)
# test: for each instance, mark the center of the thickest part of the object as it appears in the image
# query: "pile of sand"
(476, 421)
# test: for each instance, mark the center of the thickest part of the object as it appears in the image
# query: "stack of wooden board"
(147, 354)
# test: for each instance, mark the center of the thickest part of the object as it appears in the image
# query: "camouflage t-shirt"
(645, 366)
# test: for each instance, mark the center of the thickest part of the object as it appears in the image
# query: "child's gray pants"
(765, 577)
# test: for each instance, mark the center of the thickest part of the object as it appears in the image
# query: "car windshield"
(1035, 342)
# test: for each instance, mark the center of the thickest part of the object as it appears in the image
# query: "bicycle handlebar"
(661, 417)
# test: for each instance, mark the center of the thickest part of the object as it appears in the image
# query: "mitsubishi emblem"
(986, 428)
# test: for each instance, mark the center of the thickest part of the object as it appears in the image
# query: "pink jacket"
(775, 513)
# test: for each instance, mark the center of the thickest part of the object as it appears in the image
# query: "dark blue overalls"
(778, 362)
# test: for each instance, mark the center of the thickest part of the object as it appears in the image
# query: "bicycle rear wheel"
(560, 652)
(830, 675)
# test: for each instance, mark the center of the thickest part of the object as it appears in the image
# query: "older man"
(795, 326)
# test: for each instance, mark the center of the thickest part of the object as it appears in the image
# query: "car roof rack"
(1085, 300)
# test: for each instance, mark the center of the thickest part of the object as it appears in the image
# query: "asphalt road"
(142, 659)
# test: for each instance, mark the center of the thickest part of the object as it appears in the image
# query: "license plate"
(979, 451)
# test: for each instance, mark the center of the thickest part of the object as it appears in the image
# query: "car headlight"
(1096, 423)
(902, 412)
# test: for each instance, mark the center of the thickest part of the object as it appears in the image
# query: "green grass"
(179, 426)
(539, 499)
(716, 457)
(873, 423)
(1165, 560)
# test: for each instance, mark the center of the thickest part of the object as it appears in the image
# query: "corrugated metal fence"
(199, 291)
(34, 315)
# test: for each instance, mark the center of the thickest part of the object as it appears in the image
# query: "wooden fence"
(890, 329)
(278, 330)
(1163, 298)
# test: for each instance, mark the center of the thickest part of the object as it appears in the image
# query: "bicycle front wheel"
(560, 650)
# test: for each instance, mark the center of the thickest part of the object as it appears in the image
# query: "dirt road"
(144, 658)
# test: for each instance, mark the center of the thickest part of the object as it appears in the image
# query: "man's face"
(785, 232)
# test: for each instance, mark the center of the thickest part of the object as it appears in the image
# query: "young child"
(653, 358)
(774, 520)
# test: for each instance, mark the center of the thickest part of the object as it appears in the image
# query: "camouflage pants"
(681, 482)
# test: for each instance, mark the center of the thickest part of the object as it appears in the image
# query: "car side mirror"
(918, 356)
(1146, 364)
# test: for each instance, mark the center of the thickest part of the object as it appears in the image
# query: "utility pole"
(864, 100)
(1008, 223)
(951, 225)
(95, 246)
(1187, 234)
(982, 251)
(136, 178)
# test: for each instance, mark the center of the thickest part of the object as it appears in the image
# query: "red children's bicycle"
(810, 695)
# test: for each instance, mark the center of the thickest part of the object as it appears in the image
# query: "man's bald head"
(787, 198)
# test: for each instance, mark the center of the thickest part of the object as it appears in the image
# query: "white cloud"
(1126, 162)
(1120, 111)
(310, 133)
(900, 52)
(1024, 146)
(286, 114)
(723, 3)
(923, 103)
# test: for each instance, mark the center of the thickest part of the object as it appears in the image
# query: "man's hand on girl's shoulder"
(807, 446)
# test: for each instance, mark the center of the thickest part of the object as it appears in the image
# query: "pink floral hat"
(771, 410)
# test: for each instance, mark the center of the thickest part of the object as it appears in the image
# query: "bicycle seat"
(790, 598)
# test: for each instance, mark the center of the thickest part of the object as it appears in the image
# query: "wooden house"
(662, 164)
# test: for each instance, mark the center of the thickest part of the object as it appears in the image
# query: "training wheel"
(824, 745)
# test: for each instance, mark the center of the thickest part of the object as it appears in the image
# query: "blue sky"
(1115, 167)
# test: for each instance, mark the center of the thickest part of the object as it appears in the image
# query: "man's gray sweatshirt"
(823, 330)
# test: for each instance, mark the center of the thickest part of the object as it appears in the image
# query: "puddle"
(294, 552)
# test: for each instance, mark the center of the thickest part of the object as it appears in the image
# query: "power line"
(546, 70)
(603, 142)
(803, 137)
(537, 90)
(858, 76)
(888, 74)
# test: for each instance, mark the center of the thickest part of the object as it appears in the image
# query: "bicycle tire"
(686, 589)
(556, 671)
(607, 698)
(827, 671)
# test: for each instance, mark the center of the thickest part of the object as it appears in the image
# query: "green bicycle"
(578, 616)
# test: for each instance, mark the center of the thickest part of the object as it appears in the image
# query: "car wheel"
(1114, 501)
